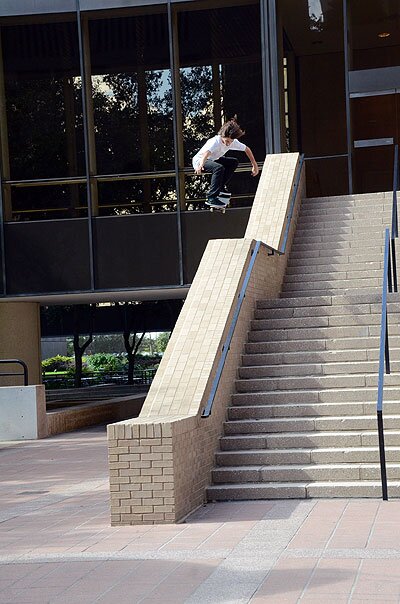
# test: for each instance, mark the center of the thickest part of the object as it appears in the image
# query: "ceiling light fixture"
(383, 34)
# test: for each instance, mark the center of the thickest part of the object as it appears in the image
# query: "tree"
(130, 327)
(162, 341)
(79, 345)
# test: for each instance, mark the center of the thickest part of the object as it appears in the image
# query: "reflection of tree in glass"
(198, 124)
(134, 134)
(45, 141)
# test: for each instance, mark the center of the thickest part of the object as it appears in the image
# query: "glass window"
(43, 202)
(312, 35)
(374, 34)
(132, 100)
(221, 76)
(145, 196)
(43, 100)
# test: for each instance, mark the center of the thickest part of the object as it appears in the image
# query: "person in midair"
(211, 158)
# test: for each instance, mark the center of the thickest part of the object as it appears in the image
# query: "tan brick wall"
(160, 463)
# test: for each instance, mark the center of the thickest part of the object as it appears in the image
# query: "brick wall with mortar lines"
(160, 463)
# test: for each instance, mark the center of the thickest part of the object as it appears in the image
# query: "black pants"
(222, 170)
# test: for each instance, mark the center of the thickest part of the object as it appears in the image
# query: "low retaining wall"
(66, 419)
(160, 463)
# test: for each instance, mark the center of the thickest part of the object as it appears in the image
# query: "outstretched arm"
(249, 153)
(200, 167)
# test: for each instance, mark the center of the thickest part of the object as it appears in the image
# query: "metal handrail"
(292, 202)
(384, 363)
(389, 284)
(225, 348)
(395, 223)
(19, 362)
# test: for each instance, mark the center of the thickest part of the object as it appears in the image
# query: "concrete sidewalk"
(57, 545)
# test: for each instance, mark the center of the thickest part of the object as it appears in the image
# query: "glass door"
(375, 132)
(374, 87)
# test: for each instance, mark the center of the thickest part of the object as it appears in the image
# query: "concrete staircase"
(303, 420)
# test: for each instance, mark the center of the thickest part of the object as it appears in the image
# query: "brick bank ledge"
(160, 463)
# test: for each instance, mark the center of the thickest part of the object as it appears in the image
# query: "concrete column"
(20, 339)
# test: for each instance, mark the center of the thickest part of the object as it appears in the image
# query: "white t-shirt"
(217, 149)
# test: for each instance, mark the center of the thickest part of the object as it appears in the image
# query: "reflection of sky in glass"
(315, 13)
(100, 85)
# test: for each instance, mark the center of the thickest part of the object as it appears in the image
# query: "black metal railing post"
(384, 362)
(18, 362)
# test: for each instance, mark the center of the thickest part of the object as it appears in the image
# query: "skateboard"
(221, 209)
(225, 198)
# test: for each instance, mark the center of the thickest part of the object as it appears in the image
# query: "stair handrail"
(292, 202)
(18, 362)
(395, 222)
(384, 363)
(389, 284)
(226, 346)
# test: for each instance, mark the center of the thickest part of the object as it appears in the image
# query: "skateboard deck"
(219, 209)
(225, 198)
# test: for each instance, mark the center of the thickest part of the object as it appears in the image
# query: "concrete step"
(351, 246)
(317, 270)
(305, 358)
(304, 456)
(324, 321)
(273, 425)
(301, 490)
(310, 472)
(314, 333)
(360, 239)
(318, 258)
(332, 291)
(319, 382)
(340, 207)
(342, 310)
(335, 283)
(308, 440)
(381, 201)
(328, 276)
(311, 255)
(330, 395)
(314, 369)
(335, 232)
(345, 218)
(328, 300)
(240, 412)
(315, 345)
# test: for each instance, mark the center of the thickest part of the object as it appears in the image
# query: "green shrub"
(58, 363)
(105, 361)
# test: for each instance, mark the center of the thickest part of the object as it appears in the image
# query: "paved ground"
(56, 545)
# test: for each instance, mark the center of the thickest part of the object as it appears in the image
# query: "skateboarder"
(211, 158)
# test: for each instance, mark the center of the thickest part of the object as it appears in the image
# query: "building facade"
(104, 102)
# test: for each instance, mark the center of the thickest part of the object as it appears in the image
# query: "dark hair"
(231, 129)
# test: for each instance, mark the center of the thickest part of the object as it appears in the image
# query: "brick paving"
(57, 544)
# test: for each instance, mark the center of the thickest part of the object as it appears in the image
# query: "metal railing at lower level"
(141, 377)
(13, 373)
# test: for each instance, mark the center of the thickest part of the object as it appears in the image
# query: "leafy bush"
(103, 361)
(147, 361)
(58, 363)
